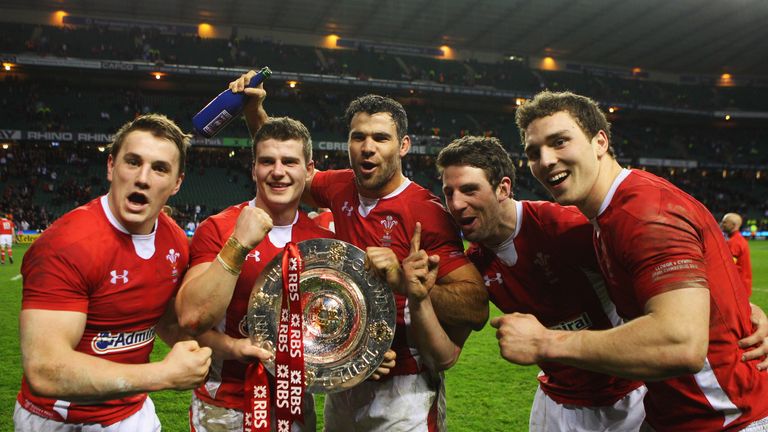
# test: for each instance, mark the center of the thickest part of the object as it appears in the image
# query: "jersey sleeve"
(440, 236)
(206, 243)
(53, 280)
(662, 251)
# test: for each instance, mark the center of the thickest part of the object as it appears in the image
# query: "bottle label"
(219, 121)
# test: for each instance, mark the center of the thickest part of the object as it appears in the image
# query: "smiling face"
(474, 204)
(566, 161)
(280, 172)
(375, 153)
(143, 175)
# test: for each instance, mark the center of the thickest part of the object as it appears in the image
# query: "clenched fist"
(252, 226)
(186, 365)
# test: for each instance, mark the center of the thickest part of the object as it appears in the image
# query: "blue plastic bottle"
(224, 107)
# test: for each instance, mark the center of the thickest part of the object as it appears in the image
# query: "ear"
(253, 171)
(601, 143)
(110, 167)
(504, 189)
(310, 168)
(405, 145)
(178, 184)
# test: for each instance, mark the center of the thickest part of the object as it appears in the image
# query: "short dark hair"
(284, 129)
(585, 112)
(372, 104)
(485, 153)
(159, 126)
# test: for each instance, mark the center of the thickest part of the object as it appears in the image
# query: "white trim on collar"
(616, 182)
(143, 244)
(368, 204)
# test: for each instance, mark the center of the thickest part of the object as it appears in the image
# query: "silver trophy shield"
(348, 312)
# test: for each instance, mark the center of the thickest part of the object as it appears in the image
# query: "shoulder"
(85, 224)
(165, 222)
(419, 198)
(333, 176)
(308, 229)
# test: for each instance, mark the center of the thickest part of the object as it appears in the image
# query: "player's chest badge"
(173, 257)
(389, 224)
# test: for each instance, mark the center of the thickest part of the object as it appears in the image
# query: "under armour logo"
(172, 256)
(115, 277)
(346, 208)
(253, 254)
(496, 279)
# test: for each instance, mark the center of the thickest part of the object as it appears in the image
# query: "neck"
(608, 170)
(506, 224)
(395, 182)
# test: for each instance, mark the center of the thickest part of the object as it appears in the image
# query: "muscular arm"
(54, 369)
(670, 339)
(168, 327)
(254, 112)
(460, 298)
(207, 288)
(438, 346)
(204, 296)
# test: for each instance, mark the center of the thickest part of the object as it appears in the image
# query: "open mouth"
(467, 221)
(367, 166)
(558, 178)
(138, 198)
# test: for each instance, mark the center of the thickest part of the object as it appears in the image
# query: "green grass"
(484, 392)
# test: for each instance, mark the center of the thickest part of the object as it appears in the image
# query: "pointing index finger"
(416, 239)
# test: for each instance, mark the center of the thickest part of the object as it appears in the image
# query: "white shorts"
(144, 419)
(626, 415)
(6, 240)
(204, 417)
(402, 403)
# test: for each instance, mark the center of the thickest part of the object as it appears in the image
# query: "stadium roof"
(680, 36)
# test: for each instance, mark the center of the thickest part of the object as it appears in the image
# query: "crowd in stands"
(152, 45)
(39, 182)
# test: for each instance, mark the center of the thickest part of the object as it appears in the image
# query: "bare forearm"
(636, 350)
(80, 377)
(221, 344)
(255, 117)
(437, 349)
(461, 303)
(203, 299)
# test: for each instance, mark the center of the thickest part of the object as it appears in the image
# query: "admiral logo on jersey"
(488, 280)
(118, 277)
(346, 208)
(579, 323)
(107, 342)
